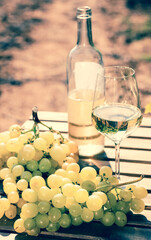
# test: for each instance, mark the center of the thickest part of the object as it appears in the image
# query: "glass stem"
(117, 160)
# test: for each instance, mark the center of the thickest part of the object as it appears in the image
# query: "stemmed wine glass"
(119, 113)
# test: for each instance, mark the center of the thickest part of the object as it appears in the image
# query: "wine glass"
(119, 113)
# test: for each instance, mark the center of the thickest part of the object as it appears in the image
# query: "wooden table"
(135, 160)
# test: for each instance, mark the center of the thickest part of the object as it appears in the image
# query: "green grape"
(13, 145)
(14, 131)
(30, 210)
(81, 195)
(13, 197)
(32, 165)
(12, 161)
(68, 189)
(73, 167)
(102, 195)
(52, 170)
(87, 215)
(37, 182)
(43, 207)
(44, 165)
(34, 231)
(53, 227)
(120, 219)
(122, 206)
(28, 152)
(57, 153)
(47, 136)
(105, 171)
(11, 212)
(88, 173)
(59, 200)
(108, 219)
(140, 192)
(29, 223)
(44, 194)
(65, 221)
(98, 214)
(22, 184)
(125, 195)
(4, 172)
(36, 173)
(137, 205)
(76, 221)
(26, 175)
(10, 187)
(54, 181)
(112, 200)
(75, 210)
(18, 170)
(88, 185)
(19, 225)
(40, 144)
(94, 203)
(4, 203)
(42, 220)
(29, 195)
(54, 215)
(113, 180)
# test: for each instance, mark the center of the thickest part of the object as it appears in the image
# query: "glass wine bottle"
(84, 62)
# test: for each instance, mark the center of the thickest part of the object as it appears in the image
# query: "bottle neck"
(84, 37)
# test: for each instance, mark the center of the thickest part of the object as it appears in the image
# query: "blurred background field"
(37, 35)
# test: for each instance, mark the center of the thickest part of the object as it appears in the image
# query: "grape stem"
(37, 121)
(120, 184)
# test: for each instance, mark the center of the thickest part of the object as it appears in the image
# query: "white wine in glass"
(120, 113)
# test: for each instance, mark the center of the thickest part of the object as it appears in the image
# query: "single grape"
(47, 136)
(112, 200)
(29, 195)
(102, 195)
(98, 214)
(66, 148)
(140, 192)
(32, 165)
(44, 165)
(34, 231)
(4, 203)
(105, 171)
(43, 207)
(87, 215)
(81, 195)
(88, 173)
(73, 146)
(76, 221)
(28, 152)
(73, 167)
(20, 203)
(9, 180)
(122, 206)
(69, 201)
(137, 205)
(36, 173)
(61, 172)
(53, 227)
(29, 223)
(40, 144)
(26, 175)
(13, 197)
(45, 194)
(13, 145)
(108, 219)
(38, 155)
(4, 172)
(94, 203)
(54, 214)
(68, 189)
(125, 195)
(42, 220)
(73, 176)
(22, 184)
(57, 153)
(75, 210)
(120, 219)
(19, 226)
(18, 170)
(10, 187)
(12, 161)
(54, 181)
(37, 182)
(59, 200)
(65, 221)
(30, 210)
(11, 212)
(14, 131)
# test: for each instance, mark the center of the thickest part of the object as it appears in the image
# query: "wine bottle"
(84, 62)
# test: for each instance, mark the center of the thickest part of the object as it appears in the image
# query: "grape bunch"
(45, 187)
